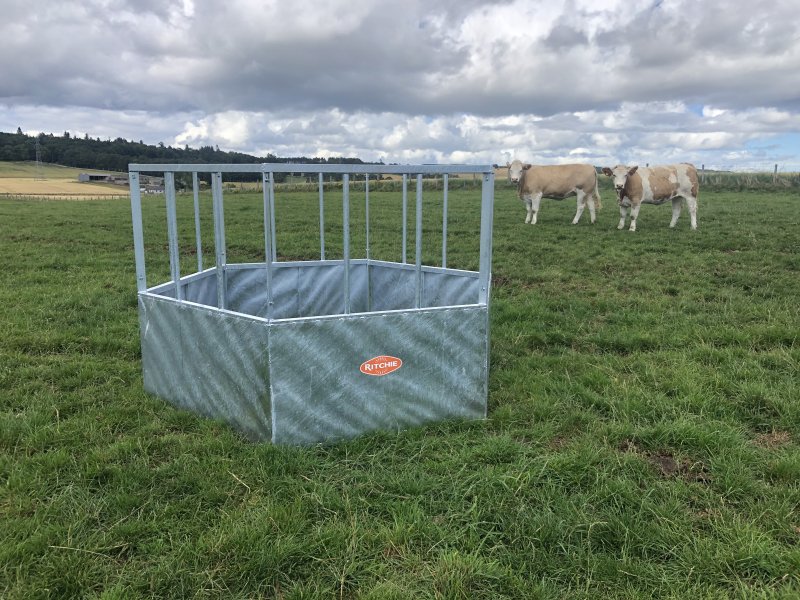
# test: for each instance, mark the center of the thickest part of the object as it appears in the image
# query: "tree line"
(115, 155)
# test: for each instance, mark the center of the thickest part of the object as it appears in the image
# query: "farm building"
(93, 177)
(154, 184)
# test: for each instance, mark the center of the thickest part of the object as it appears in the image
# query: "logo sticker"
(381, 365)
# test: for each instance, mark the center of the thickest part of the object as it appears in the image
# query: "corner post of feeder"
(272, 215)
(418, 241)
(487, 213)
(267, 240)
(444, 221)
(369, 279)
(366, 210)
(321, 219)
(196, 193)
(219, 238)
(405, 214)
(172, 233)
(138, 233)
(346, 229)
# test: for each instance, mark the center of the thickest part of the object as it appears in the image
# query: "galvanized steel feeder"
(301, 352)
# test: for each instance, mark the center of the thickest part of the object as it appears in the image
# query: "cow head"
(515, 170)
(620, 175)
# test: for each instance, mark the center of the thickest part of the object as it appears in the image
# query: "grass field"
(643, 437)
(23, 179)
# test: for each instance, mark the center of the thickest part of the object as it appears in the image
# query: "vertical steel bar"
(366, 209)
(418, 240)
(321, 220)
(366, 217)
(346, 228)
(138, 232)
(444, 222)
(487, 213)
(219, 238)
(272, 216)
(267, 241)
(405, 214)
(172, 233)
(196, 193)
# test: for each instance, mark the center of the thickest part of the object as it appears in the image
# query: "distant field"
(21, 179)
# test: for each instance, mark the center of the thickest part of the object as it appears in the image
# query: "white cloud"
(477, 80)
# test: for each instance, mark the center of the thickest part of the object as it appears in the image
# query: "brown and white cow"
(556, 182)
(655, 185)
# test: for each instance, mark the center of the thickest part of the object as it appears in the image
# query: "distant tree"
(90, 153)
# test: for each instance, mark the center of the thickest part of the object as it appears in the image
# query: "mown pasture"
(643, 437)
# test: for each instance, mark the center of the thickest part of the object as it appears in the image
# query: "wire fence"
(729, 181)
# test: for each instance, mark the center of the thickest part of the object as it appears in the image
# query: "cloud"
(411, 80)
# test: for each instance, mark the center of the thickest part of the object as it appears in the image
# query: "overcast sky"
(447, 81)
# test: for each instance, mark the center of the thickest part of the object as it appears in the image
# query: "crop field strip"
(643, 437)
(24, 180)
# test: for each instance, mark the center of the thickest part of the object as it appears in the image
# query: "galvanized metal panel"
(247, 291)
(319, 393)
(320, 290)
(315, 289)
(392, 289)
(207, 361)
(298, 291)
(446, 289)
(200, 288)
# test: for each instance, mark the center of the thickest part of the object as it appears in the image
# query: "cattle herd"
(633, 185)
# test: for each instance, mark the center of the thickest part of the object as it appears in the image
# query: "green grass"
(643, 437)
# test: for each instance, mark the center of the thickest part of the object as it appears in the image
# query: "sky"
(713, 82)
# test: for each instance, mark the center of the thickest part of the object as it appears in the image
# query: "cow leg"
(692, 202)
(528, 208)
(535, 201)
(676, 210)
(590, 202)
(623, 214)
(634, 214)
(581, 206)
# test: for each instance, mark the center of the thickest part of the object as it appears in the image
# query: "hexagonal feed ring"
(277, 349)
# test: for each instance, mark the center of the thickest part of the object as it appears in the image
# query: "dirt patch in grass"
(773, 439)
(499, 281)
(668, 466)
(559, 442)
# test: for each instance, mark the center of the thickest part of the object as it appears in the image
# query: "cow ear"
(632, 170)
(526, 167)
(608, 172)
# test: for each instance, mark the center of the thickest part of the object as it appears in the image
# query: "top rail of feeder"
(311, 168)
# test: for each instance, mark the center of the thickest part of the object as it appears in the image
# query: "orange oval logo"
(380, 365)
